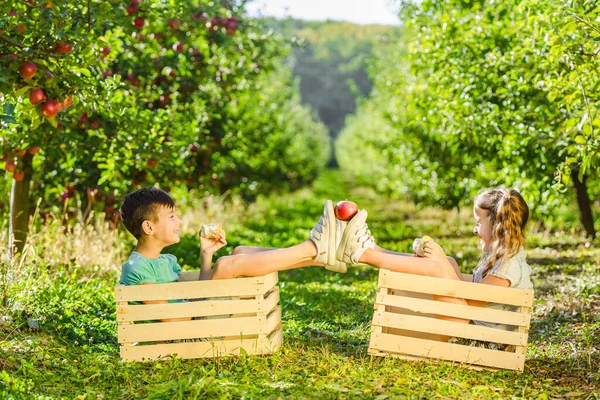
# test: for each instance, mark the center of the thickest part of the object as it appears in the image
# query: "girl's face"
(483, 228)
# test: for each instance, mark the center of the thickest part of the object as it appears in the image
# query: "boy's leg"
(264, 262)
(250, 250)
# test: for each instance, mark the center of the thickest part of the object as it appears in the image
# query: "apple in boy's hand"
(345, 210)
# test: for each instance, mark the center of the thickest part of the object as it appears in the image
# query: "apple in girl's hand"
(345, 210)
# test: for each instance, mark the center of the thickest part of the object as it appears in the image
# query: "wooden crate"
(242, 316)
(404, 324)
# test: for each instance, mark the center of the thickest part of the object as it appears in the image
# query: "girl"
(500, 219)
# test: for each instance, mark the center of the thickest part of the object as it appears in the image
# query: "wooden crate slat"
(215, 348)
(447, 351)
(448, 328)
(273, 321)
(467, 277)
(271, 301)
(144, 312)
(243, 326)
(460, 289)
(455, 310)
(190, 290)
(270, 281)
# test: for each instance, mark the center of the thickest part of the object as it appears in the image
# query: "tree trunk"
(584, 203)
(19, 206)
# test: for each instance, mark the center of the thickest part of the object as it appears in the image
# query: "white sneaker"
(356, 240)
(326, 236)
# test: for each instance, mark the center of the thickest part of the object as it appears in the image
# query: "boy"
(149, 215)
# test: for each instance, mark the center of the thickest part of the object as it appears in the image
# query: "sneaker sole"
(330, 215)
(339, 255)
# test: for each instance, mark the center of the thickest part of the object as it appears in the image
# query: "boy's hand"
(210, 246)
(433, 250)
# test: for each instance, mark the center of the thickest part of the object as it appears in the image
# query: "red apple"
(21, 28)
(19, 152)
(49, 109)
(135, 3)
(194, 148)
(10, 166)
(131, 9)
(110, 199)
(139, 22)
(178, 47)
(27, 70)
(18, 175)
(174, 24)
(345, 210)
(49, 74)
(63, 48)
(33, 150)
(36, 95)
(105, 51)
(109, 210)
(152, 163)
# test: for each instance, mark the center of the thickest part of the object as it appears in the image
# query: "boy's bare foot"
(325, 236)
(356, 240)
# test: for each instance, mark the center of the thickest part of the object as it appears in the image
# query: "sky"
(356, 11)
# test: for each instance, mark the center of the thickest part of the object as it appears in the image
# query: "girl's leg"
(262, 262)
(250, 250)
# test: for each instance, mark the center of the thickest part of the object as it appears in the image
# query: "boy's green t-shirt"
(139, 269)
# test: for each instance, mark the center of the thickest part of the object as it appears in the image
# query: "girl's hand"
(434, 250)
(211, 246)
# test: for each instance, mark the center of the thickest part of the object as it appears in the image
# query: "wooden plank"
(448, 351)
(454, 310)
(271, 300)
(270, 280)
(145, 312)
(523, 330)
(459, 289)
(273, 321)
(198, 349)
(448, 328)
(378, 308)
(189, 290)
(191, 329)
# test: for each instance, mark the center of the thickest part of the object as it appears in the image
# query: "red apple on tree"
(36, 95)
(27, 70)
(174, 24)
(49, 109)
(10, 166)
(345, 210)
(33, 150)
(63, 48)
(139, 22)
(18, 175)
(152, 163)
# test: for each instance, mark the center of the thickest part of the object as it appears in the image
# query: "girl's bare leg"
(261, 261)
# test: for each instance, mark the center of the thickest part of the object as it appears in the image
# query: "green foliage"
(482, 94)
(178, 101)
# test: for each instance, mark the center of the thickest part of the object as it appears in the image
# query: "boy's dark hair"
(142, 205)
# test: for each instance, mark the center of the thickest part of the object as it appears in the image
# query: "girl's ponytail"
(509, 214)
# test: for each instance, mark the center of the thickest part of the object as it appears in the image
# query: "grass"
(58, 338)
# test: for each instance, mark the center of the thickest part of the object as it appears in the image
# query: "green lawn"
(73, 352)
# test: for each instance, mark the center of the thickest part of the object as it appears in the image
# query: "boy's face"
(166, 226)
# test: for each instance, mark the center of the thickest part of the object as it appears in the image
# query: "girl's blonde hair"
(508, 213)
